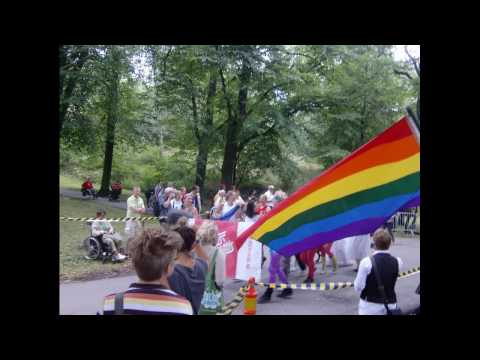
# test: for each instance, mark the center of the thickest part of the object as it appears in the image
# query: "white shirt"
(219, 202)
(269, 195)
(364, 269)
(176, 204)
(251, 220)
(227, 208)
(134, 203)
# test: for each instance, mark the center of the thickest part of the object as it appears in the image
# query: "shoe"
(118, 257)
(266, 296)
(285, 293)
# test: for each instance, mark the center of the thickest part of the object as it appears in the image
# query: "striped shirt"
(149, 299)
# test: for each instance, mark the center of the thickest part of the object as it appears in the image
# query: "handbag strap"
(119, 303)
(381, 288)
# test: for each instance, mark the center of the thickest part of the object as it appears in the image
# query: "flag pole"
(413, 123)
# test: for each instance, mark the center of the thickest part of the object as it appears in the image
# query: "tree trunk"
(230, 154)
(234, 127)
(205, 132)
(202, 158)
(108, 160)
(112, 118)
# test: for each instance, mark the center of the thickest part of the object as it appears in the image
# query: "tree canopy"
(235, 114)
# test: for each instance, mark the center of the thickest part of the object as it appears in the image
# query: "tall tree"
(112, 77)
(187, 82)
(410, 69)
(263, 89)
(363, 97)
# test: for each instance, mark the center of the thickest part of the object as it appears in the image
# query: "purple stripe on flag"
(356, 228)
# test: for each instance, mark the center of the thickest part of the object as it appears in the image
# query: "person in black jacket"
(371, 300)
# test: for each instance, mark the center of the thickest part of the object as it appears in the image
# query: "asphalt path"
(85, 298)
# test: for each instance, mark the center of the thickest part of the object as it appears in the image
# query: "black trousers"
(91, 192)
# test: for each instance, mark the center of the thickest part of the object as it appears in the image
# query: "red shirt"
(116, 186)
(87, 185)
(263, 209)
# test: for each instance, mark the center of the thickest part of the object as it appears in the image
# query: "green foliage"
(305, 104)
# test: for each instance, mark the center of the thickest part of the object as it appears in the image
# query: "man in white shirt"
(135, 208)
(371, 301)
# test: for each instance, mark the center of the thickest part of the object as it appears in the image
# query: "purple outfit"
(274, 268)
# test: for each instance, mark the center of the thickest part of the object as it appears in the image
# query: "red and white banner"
(249, 258)
(241, 263)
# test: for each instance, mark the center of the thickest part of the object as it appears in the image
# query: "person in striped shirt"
(153, 255)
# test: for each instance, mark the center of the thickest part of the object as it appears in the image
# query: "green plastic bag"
(212, 300)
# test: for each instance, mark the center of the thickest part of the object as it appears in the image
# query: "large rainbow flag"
(355, 196)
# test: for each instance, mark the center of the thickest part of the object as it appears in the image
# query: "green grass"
(73, 265)
(69, 182)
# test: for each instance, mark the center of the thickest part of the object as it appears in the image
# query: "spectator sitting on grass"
(153, 256)
(116, 188)
(88, 189)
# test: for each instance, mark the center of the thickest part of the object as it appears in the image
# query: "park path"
(84, 298)
(78, 195)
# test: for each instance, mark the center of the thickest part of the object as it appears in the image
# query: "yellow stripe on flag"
(363, 180)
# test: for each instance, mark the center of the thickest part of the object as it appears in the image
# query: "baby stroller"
(96, 248)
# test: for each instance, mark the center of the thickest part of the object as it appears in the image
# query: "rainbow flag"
(355, 196)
